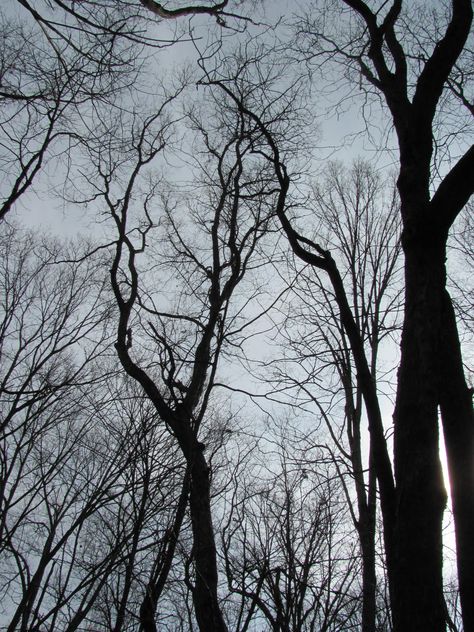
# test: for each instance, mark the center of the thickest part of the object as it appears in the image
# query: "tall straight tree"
(413, 82)
(415, 74)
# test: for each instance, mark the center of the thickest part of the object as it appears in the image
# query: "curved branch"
(454, 191)
(438, 67)
(171, 14)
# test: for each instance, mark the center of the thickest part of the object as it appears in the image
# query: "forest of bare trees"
(236, 324)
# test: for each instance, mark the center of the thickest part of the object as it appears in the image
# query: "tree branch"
(171, 14)
(438, 67)
(454, 191)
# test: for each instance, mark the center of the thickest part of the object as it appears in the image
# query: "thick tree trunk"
(458, 426)
(206, 603)
(417, 583)
(369, 579)
(367, 541)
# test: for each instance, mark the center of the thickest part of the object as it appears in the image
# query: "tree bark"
(205, 598)
(458, 427)
(369, 579)
(160, 574)
(417, 583)
(366, 530)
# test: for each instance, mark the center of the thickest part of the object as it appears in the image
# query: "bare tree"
(286, 540)
(52, 75)
(358, 221)
(140, 517)
(50, 338)
(172, 346)
(180, 264)
(414, 61)
(431, 372)
(460, 268)
(90, 485)
(60, 62)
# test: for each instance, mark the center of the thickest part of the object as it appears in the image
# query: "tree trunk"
(162, 568)
(366, 504)
(369, 581)
(458, 426)
(417, 583)
(206, 603)
(367, 544)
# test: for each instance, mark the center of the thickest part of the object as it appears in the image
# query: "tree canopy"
(226, 404)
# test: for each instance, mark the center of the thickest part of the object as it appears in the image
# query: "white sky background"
(41, 211)
(341, 131)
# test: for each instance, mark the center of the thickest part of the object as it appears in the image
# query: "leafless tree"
(287, 544)
(140, 519)
(357, 220)
(431, 375)
(50, 337)
(419, 63)
(185, 262)
(460, 268)
(51, 78)
(60, 62)
(90, 487)
(200, 247)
